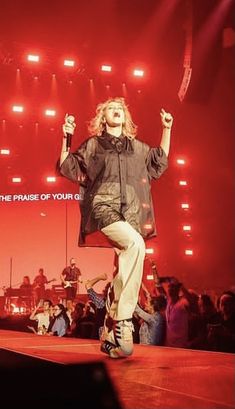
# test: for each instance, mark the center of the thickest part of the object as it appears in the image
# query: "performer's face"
(114, 114)
(72, 262)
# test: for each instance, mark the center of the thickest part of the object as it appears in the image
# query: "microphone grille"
(71, 119)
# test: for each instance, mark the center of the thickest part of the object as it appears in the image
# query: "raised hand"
(69, 125)
(167, 119)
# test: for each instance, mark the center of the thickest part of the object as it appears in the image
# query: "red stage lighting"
(149, 251)
(69, 63)
(188, 252)
(33, 58)
(184, 206)
(51, 179)
(17, 108)
(106, 68)
(180, 161)
(5, 151)
(187, 227)
(183, 183)
(16, 180)
(50, 112)
(138, 72)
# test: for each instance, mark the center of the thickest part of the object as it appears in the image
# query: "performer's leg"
(124, 291)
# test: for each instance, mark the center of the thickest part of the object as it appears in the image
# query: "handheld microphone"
(70, 120)
(68, 141)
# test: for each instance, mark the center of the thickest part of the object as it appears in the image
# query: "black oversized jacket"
(114, 176)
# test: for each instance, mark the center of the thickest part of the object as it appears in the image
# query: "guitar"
(35, 286)
(67, 284)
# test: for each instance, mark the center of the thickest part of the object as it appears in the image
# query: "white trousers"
(126, 284)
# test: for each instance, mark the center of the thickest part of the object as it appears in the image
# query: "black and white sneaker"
(123, 336)
(117, 338)
(106, 347)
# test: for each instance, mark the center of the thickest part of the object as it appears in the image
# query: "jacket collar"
(119, 144)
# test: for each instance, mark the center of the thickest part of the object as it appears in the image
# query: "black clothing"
(71, 274)
(39, 288)
(26, 290)
(114, 176)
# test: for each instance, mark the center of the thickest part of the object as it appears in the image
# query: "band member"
(39, 286)
(26, 287)
(71, 277)
(26, 296)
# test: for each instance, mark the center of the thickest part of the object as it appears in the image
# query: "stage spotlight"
(17, 108)
(149, 251)
(51, 179)
(180, 162)
(188, 252)
(183, 183)
(16, 180)
(187, 227)
(69, 63)
(5, 151)
(184, 206)
(138, 73)
(50, 112)
(106, 68)
(33, 58)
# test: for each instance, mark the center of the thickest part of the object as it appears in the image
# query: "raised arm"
(33, 315)
(167, 121)
(93, 281)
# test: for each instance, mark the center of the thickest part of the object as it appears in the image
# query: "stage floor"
(153, 377)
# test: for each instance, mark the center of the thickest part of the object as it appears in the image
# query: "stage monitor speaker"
(30, 382)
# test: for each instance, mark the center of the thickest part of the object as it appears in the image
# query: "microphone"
(69, 120)
(68, 141)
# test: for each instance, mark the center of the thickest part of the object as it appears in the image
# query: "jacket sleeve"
(157, 162)
(74, 166)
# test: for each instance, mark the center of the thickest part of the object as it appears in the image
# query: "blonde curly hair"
(97, 125)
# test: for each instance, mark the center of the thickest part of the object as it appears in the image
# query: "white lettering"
(45, 196)
(6, 198)
(36, 196)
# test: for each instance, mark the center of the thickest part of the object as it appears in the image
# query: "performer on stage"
(71, 277)
(26, 296)
(39, 286)
(26, 287)
(115, 169)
